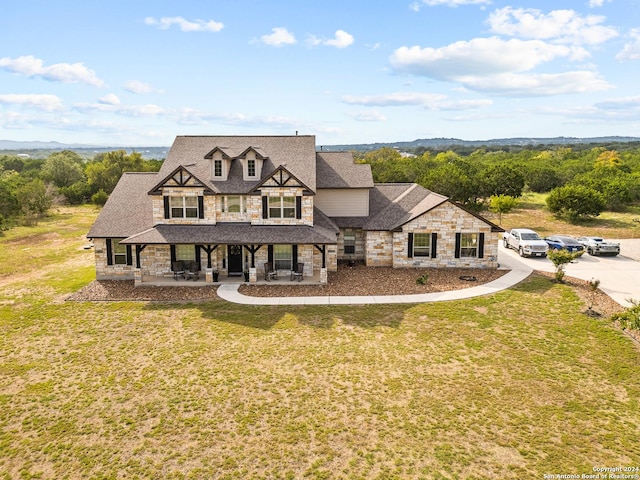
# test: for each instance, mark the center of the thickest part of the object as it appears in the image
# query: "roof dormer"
(252, 162)
(220, 164)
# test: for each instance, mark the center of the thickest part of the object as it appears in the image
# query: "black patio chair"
(178, 269)
(297, 271)
(193, 271)
(269, 272)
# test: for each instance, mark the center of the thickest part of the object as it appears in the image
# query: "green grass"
(532, 213)
(512, 385)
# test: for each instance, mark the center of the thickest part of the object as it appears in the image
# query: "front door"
(234, 257)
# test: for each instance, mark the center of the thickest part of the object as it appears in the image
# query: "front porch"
(284, 278)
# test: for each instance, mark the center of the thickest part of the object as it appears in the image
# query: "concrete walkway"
(518, 272)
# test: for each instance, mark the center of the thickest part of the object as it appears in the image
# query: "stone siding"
(360, 245)
(110, 272)
(446, 220)
(379, 249)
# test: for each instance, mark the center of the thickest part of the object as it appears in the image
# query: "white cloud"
(148, 110)
(165, 23)
(597, 3)
(48, 103)
(480, 56)
(560, 26)
(280, 36)
(342, 39)
(631, 50)
(136, 86)
(415, 6)
(367, 116)
(394, 99)
(429, 101)
(523, 85)
(110, 99)
(30, 66)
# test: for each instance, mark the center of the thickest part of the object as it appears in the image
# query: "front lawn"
(513, 385)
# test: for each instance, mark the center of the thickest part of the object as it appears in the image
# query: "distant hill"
(445, 142)
(37, 149)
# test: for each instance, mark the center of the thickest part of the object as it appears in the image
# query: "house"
(232, 203)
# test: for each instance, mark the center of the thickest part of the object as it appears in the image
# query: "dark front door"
(234, 257)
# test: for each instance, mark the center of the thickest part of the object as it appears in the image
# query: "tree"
(63, 168)
(542, 179)
(572, 202)
(450, 180)
(560, 258)
(502, 204)
(34, 199)
(501, 179)
(106, 169)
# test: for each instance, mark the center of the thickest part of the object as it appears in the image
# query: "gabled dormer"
(252, 162)
(220, 164)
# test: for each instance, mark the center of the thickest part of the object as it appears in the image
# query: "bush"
(572, 202)
(630, 318)
(100, 197)
(423, 279)
(560, 258)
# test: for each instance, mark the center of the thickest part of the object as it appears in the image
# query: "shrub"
(422, 279)
(630, 318)
(560, 258)
(100, 197)
(572, 202)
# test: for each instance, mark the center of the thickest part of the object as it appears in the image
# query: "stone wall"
(446, 220)
(360, 245)
(379, 249)
(109, 272)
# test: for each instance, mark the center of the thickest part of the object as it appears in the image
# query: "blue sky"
(139, 73)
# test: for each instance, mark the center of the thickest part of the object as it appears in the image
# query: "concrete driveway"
(619, 276)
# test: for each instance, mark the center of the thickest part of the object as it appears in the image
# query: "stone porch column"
(323, 275)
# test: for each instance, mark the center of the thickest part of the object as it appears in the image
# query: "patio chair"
(269, 272)
(178, 269)
(297, 271)
(193, 272)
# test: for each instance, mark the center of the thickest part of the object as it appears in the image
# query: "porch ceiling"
(233, 233)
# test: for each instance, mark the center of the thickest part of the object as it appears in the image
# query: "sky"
(139, 73)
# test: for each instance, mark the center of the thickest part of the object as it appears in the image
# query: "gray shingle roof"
(233, 233)
(338, 170)
(297, 153)
(129, 208)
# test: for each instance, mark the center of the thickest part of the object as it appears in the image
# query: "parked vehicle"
(559, 242)
(599, 246)
(527, 242)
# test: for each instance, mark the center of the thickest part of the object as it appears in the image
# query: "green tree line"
(29, 187)
(580, 182)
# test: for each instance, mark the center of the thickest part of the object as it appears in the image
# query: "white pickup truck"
(527, 242)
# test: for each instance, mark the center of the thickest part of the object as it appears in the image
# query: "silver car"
(599, 246)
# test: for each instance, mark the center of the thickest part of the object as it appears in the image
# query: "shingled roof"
(297, 153)
(338, 170)
(129, 208)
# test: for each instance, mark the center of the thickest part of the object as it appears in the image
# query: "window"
(251, 168)
(234, 204)
(185, 252)
(469, 245)
(217, 168)
(184, 207)
(421, 244)
(282, 207)
(282, 257)
(119, 252)
(349, 242)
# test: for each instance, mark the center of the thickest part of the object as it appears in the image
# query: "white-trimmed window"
(349, 242)
(421, 244)
(235, 204)
(251, 168)
(118, 252)
(185, 253)
(184, 207)
(282, 207)
(469, 245)
(282, 257)
(217, 168)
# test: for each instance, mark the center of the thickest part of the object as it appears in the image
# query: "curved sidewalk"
(519, 272)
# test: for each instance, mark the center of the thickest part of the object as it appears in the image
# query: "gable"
(281, 177)
(180, 177)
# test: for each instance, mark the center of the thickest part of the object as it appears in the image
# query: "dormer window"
(251, 168)
(217, 168)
